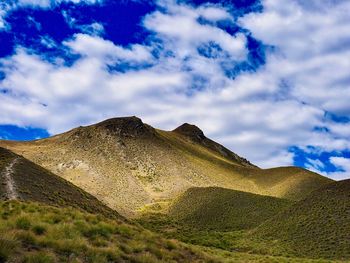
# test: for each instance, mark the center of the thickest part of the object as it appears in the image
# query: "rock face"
(196, 135)
(191, 131)
(126, 127)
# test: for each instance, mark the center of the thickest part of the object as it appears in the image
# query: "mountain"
(44, 218)
(316, 227)
(222, 209)
(23, 180)
(128, 164)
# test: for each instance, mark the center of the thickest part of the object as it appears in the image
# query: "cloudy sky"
(269, 79)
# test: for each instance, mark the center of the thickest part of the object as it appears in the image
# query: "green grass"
(224, 209)
(33, 232)
(226, 246)
(318, 226)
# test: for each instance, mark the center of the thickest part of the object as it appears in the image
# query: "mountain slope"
(318, 226)
(224, 209)
(128, 164)
(24, 180)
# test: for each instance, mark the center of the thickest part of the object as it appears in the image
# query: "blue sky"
(267, 78)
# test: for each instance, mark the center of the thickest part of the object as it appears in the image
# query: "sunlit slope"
(32, 232)
(224, 209)
(318, 226)
(128, 164)
(288, 182)
(34, 183)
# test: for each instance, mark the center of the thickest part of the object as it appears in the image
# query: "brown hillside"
(128, 164)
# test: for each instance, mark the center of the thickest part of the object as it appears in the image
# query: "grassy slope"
(318, 226)
(224, 209)
(128, 164)
(288, 182)
(35, 183)
(213, 217)
(243, 227)
(36, 233)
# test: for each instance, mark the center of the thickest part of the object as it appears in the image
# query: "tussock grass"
(37, 236)
(259, 228)
(318, 226)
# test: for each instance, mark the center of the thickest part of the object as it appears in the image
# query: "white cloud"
(213, 13)
(258, 114)
(179, 26)
(314, 48)
(94, 46)
(342, 163)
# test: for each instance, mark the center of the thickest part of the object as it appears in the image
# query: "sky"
(269, 79)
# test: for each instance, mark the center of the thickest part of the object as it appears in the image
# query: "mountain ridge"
(128, 164)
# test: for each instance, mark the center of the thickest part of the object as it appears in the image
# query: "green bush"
(39, 229)
(23, 223)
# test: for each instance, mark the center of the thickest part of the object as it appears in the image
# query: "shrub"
(100, 229)
(23, 223)
(27, 238)
(39, 229)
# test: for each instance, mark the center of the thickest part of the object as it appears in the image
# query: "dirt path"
(11, 192)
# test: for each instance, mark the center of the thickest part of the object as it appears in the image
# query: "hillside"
(31, 232)
(128, 164)
(23, 180)
(317, 227)
(223, 209)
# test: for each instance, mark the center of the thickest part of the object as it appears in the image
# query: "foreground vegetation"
(226, 246)
(240, 224)
(31, 232)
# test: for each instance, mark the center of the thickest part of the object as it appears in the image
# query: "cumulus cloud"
(94, 46)
(181, 78)
(313, 44)
(343, 164)
(180, 29)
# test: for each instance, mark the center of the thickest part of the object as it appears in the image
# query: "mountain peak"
(191, 131)
(126, 126)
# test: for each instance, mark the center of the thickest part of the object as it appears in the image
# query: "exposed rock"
(191, 131)
(126, 126)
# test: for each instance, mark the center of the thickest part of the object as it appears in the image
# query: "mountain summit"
(126, 126)
(191, 131)
(196, 135)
